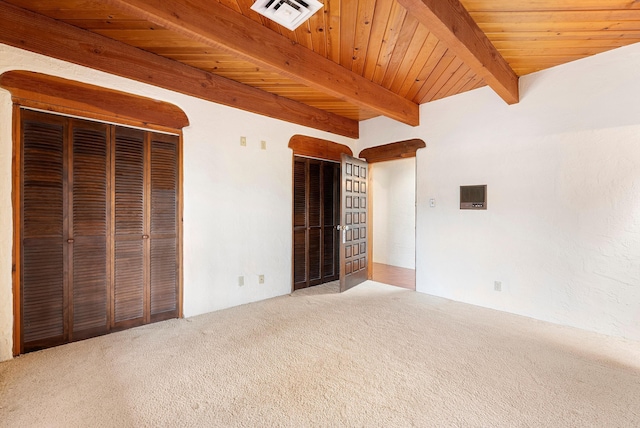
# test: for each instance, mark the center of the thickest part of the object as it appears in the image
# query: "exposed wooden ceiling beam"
(450, 22)
(216, 25)
(46, 36)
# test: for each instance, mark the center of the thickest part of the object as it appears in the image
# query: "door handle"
(70, 241)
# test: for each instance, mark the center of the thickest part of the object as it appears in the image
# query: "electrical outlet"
(263, 145)
(241, 281)
(260, 279)
(497, 285)
(243, 141)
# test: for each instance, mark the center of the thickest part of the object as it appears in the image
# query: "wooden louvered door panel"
(130, 289)
(44, 248)
(315, 215)
(99, 228)
(331, 220)
(354, 217)
(89, 229)
(164, 208)
(314, 221)
(299, 223)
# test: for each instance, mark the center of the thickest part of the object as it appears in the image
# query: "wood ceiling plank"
(214, 24)
(366, 11)
(405, 38)
(438, 52)
(565, 35)
(332, 9)
(518, 61)
(452, 24)
(418, 66)
(348, 19)
(526, 54)
(551, 45)
(540, 5)
(559, 27)
(442, 66)
(478, 84)
(457, 88)
(452, 82)
(472, 84)
(23, 29)
(317, 26)
(556, 16)
(378, 27)
(417, 53)
(390, 38)
(303, 36)
(442, 80)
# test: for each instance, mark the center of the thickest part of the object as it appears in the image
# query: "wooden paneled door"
(316, 202)
(99, 228)
(354, 217)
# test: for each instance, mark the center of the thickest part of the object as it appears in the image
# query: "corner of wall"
(6, 228)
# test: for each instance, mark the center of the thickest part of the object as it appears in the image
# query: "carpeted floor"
(373, 356)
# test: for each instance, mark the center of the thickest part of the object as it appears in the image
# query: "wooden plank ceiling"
(359, 59)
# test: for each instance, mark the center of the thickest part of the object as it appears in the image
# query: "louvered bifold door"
(331, 220)
(164, 263)
(314, 222)
(316, 212)
(43, 249)
(89, 229)
(128, 205)
(299, 223)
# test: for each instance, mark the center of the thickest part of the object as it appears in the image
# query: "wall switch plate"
(243, 141)
(497, 285)
(241, 281)
(263, 145)
(432, 202)
(260, 279)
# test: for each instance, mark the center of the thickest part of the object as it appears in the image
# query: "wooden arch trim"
(41, 91)
(392, 151)
(318, 148)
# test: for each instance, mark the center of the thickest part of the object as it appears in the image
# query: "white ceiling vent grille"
(288, 13)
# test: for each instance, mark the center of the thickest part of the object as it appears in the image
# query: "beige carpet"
(373, 356)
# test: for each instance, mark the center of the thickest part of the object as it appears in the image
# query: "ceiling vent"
(288, 13)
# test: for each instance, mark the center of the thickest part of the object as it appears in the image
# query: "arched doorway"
(393, 211)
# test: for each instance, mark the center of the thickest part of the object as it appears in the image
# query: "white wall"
(562, 229)
(393, 189)
(237, 200)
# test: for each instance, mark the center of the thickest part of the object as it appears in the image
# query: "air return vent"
(288, 13)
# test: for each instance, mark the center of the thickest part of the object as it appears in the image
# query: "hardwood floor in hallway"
(394, 275)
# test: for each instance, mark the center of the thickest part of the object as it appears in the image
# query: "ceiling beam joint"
(211, 23)
(450, 22)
